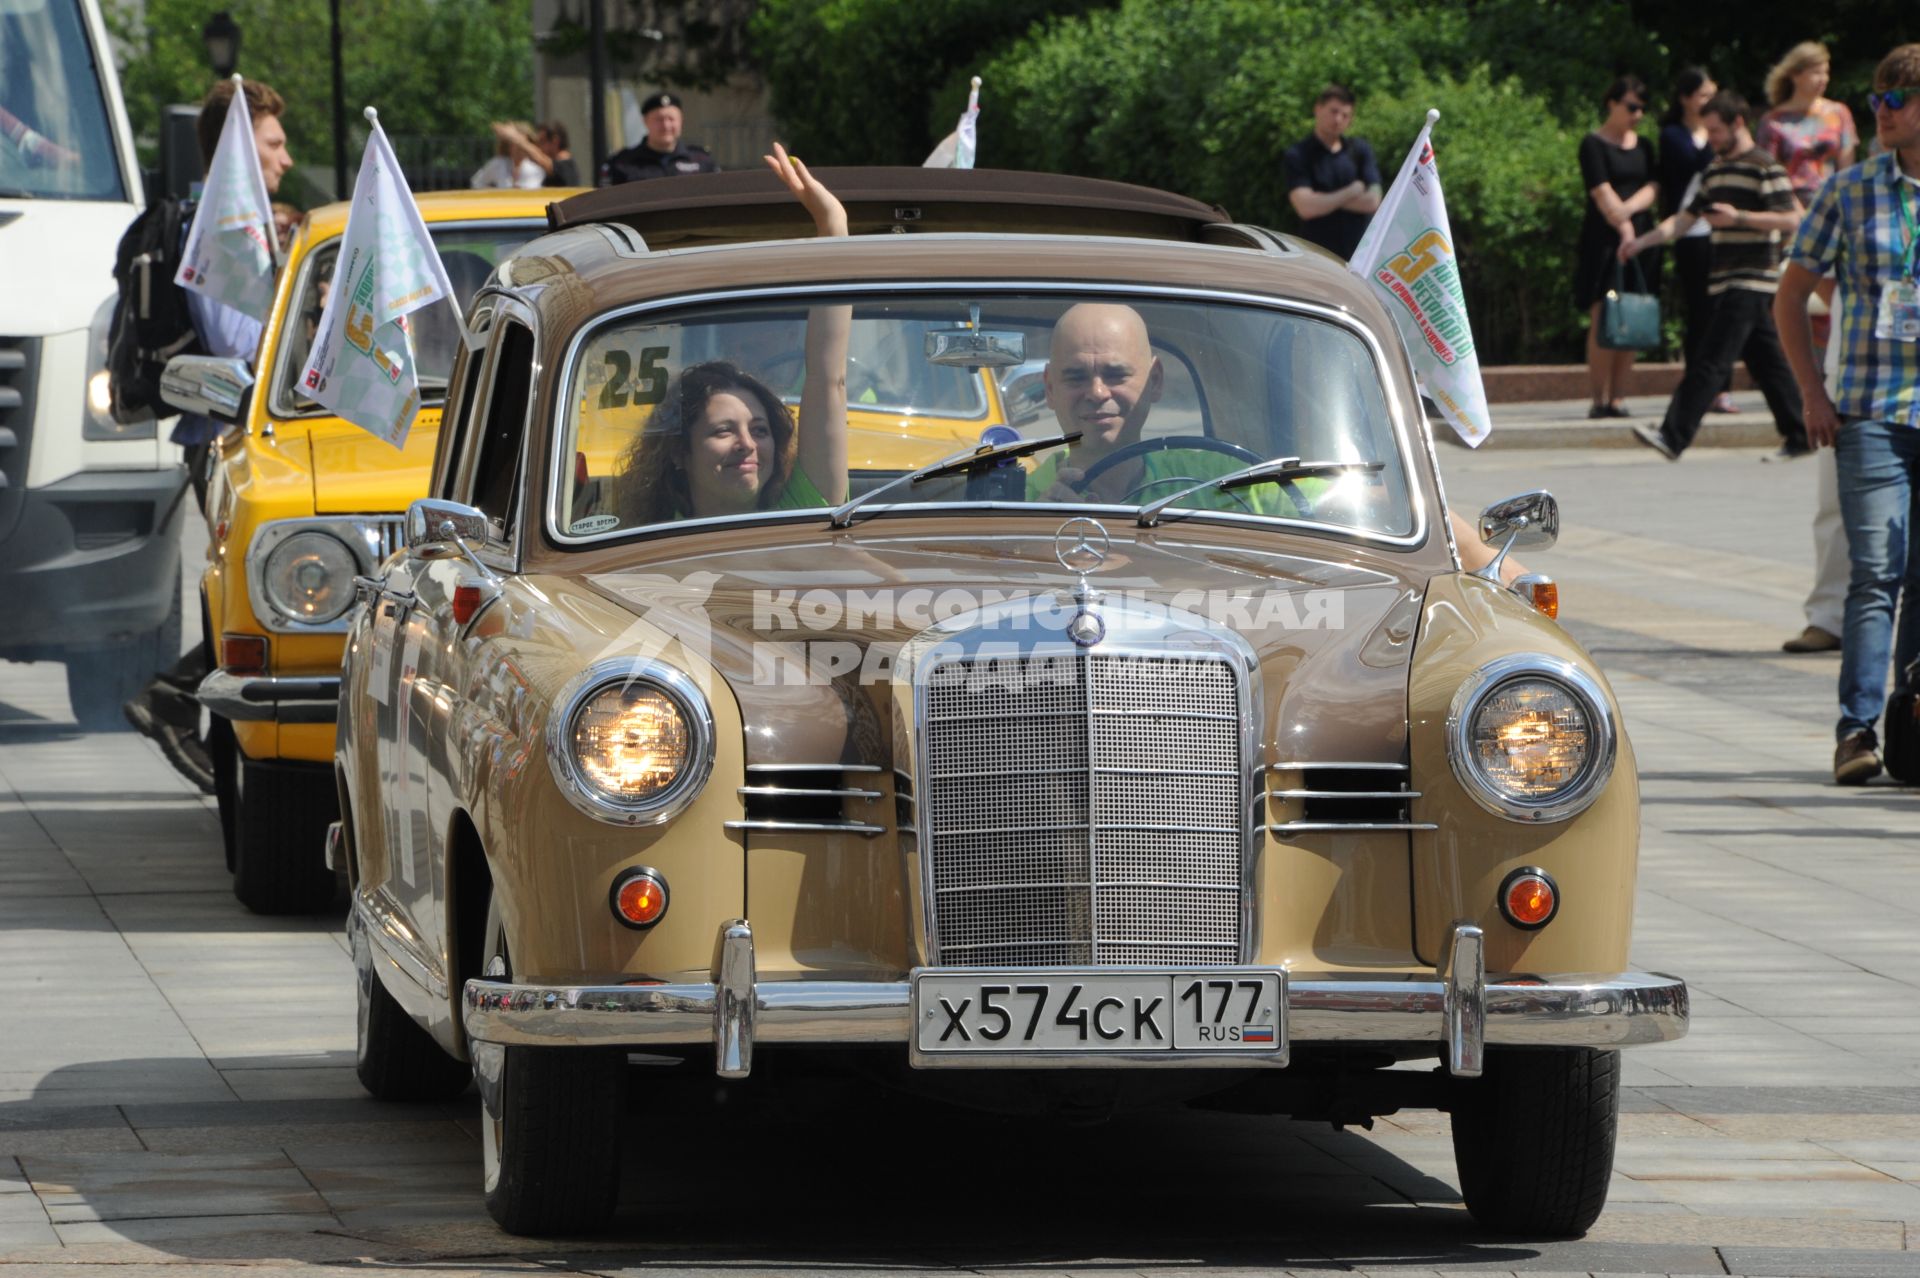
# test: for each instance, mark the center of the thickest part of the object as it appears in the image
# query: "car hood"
(356, 473)
(1331, 628)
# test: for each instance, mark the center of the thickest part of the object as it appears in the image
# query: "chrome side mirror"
(1528, 521)
(210, 385)
(436, 529)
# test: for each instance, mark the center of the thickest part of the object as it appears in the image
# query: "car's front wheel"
(550, 1124)
(274, 819)
(1533, 1139)
(395, 1058)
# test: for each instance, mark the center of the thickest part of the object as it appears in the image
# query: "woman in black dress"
(1616, 168)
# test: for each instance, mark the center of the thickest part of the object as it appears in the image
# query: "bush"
(1204, 98)
(1511, 178)
(855, 81)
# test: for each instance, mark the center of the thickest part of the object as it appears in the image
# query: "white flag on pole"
(1408, 255)
(957, 149)
(361, 365)
(229, 253)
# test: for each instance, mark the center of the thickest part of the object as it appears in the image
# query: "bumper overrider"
(276, 698)
(1457, 1006)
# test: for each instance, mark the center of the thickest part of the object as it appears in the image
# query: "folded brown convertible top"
(752, 205)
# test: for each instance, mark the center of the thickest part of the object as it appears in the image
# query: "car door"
(487, 475)
(405, 894)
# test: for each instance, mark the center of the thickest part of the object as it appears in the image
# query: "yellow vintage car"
(300, 503)
(1157, 745)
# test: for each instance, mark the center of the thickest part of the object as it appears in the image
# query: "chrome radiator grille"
(1084, 810)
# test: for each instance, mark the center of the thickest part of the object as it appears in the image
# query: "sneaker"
(1723, 403)
(1855, 761)
(1787, 453)
(1813, 639)
(1616, 409)
(1652, 438)
(179, 745)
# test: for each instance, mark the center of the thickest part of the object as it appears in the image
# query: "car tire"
(550, 1124)
(101, 681)
(1533, 1139)
(395, 1058)
(280, 818)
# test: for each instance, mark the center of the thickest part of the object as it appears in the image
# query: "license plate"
(1225, 1011)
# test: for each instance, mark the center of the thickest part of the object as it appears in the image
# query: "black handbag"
(1629, 321)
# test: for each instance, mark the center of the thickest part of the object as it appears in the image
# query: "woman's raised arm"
(823, 398)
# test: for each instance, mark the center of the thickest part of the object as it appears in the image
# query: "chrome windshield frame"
(559, 428)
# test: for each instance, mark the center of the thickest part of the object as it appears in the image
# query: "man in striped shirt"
(1747, 198)
(1864, 227)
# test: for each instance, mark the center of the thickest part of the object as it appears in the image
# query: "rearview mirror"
(210, 385)
(976, 348)
(436, 528)
(1524, 522)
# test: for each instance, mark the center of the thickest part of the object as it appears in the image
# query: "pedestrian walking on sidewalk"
(1864, 227)
(1684, 155)
(1616, 171)
(1746, 198)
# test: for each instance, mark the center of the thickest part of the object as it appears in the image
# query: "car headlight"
(1531, 738)
(96, 418)
(631, 741)
(309, 577)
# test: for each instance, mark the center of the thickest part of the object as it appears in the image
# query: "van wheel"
(395, 1058)
(550, 1121)
(1533, 1139)
(103, 680)
(280, 817)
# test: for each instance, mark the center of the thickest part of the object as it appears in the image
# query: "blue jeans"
(1879, 468)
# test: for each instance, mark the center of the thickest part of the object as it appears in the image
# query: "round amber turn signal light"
(1529, 898)
(639, 897)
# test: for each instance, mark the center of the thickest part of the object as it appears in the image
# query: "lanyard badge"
(1899, 316)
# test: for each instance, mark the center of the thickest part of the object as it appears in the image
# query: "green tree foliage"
(445, 67)
(855, 81)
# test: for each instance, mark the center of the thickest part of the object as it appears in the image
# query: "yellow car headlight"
(631, 741)
(309, 577)
(1532, 738)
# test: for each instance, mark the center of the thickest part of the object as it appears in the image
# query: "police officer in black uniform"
(661, 153)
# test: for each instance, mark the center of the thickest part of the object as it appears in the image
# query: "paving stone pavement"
(177, 1092)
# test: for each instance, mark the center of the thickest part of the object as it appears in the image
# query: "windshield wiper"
(974, 458)
(1277, 470)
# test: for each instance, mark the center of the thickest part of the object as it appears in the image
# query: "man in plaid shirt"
(1864, 228)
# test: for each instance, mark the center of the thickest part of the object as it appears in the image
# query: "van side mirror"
(214, 386)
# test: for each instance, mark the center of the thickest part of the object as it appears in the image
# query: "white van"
(90, 510)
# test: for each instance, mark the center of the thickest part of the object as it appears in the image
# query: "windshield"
(54, 138)
(732, 411)
(468, 252)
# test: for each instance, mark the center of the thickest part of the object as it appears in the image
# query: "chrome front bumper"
(280, 698)
(1457, 1006)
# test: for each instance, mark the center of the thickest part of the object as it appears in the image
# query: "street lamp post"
(339, 108)
(221, 36)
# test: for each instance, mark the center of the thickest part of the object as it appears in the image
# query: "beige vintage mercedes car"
(1158, 729)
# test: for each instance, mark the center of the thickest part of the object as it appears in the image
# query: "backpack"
(151, 322)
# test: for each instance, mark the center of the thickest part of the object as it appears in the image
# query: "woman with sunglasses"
(1617, 170)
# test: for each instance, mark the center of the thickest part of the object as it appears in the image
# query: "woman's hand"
(829, 216)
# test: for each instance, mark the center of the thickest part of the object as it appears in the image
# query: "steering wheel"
(1165, 443)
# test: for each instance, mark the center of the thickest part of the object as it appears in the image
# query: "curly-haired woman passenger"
(721, 442)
